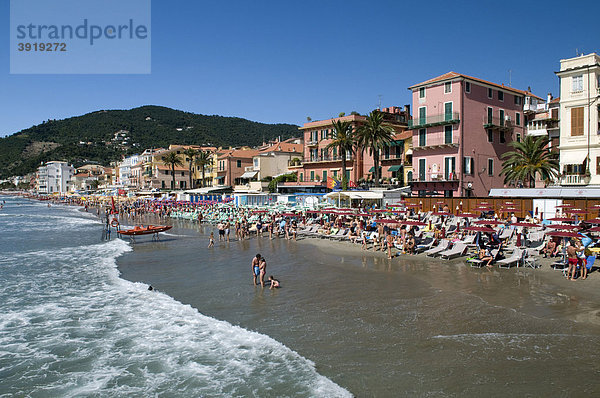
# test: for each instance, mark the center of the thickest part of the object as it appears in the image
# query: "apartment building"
(580, 120)
(461, 128)
(320, 163)
(54, 177)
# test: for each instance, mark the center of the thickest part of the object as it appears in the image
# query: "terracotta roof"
(555, 100)
(452, 75)
(239, 153)
(283, 147)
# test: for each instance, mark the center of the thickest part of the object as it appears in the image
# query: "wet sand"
(410, 326)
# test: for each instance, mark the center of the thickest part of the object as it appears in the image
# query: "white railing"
(573, 179)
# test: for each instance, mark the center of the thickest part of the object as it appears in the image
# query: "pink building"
(320, 163)
(461, 127)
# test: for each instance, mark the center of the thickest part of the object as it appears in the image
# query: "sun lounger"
(424, 245)
(515, 259)
(341, 234)
(444, 244)
(459, 249)
(477, 262)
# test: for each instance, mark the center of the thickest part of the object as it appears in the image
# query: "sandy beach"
(378, 327)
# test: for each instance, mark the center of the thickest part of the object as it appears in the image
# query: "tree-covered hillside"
(92, 137)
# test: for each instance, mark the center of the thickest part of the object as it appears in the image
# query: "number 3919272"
(42, 46)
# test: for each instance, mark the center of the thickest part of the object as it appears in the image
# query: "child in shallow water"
(211, 241)
(274, 282)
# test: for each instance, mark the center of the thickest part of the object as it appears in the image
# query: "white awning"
(356, 195)
(537, 193)
(409, 152)
(249, 174)
(572, 157)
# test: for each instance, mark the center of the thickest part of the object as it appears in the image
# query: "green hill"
(91, 137)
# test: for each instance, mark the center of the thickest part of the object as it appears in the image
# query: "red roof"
(452, 75)
(239, 153)
(283, 147)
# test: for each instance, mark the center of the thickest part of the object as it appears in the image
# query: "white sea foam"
(71, 327)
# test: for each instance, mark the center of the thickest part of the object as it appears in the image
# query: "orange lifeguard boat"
(150, 229)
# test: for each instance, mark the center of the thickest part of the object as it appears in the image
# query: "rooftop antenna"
(379, 107)
(509, 78)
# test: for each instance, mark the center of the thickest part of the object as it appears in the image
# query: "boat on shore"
(141, 230)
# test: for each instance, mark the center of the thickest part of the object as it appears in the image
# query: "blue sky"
(281, 61)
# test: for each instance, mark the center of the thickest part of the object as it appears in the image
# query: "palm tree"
(373, 134)
(172, 159)
(343, 140)
(203, 159)
(191, 153)
(531, 157)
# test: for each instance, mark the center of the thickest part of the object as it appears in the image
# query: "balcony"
(574, 179)
(436, 177)
(435, 120)
(497, 123)
(317, 159)
(436, 146)
(312, 143)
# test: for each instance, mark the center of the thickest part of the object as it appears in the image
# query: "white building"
(579, 120)
(124, 173)
(54, 177)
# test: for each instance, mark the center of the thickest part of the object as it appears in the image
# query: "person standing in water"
(255, 267)
(262, 266)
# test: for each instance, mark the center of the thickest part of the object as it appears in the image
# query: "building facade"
(321, 163)
(232, 164)
(461, 127)
(579, 120)
(54, 177)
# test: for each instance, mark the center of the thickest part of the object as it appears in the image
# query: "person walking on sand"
(262, 265)
(211, 240)
(255, 268)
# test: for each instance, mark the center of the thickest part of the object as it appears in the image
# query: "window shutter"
(577, 121)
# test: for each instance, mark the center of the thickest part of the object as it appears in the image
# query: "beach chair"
(530, 260)
(341, 234)
(424, 244)
(515, 259)
(506, 234)
(444, 244)
(459, 249)
(476, 262)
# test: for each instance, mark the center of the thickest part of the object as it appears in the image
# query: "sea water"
(70, 326)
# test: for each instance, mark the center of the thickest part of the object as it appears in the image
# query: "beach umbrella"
(379, 211)
(480, 229)
(488, 222)
(595, 229)
(576, 211)
(412, 222)
(563, 234)
(526, 224)
(363, 215)
(562, 219)
(563, 226)
(441, 213)
(467, 215)
(387, 221)
(412, 205)
(564, 206)
(593, 221)
(483, 209)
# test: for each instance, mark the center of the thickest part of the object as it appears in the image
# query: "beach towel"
(590, 262)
